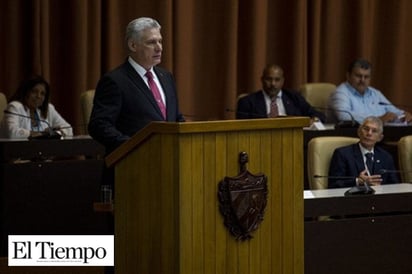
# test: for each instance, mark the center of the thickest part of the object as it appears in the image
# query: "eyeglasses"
(373, 130)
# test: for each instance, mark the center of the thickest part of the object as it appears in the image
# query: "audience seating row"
(320, 149)
(315, 93)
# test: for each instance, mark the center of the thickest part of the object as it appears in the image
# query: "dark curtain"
(216, 49)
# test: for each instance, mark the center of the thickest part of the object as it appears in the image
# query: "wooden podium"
(167, 217)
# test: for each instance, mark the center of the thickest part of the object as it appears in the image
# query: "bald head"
(272, 80)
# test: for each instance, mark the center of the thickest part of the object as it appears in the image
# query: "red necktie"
(156, 93)
(274, 112)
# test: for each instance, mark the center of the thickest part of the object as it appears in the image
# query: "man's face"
(359, 78)
(369, 134)
(272, 81)
(148, 51)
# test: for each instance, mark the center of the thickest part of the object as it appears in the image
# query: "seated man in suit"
(273, 100)
(364, 162)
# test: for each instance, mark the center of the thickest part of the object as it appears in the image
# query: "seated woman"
(29, 113)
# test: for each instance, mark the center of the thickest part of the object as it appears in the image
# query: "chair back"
(317, 94)
(319, 154)
(86, 103)
(3, 105)
(405, 158)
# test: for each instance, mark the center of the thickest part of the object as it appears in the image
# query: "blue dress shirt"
(347, 101)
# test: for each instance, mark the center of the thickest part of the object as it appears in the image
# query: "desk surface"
(340, 192)
(332, 202)
(362, 235)
(84, 145)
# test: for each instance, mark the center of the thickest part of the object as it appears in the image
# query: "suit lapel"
(260, 105)
(286, 103)
(378, 164)
(360, 164)
(141, 86)
(136, 79)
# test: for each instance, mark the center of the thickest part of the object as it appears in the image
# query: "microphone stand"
(346, 123)
(51, 134)
(364, 189)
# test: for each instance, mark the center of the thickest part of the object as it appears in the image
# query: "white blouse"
(18, 125)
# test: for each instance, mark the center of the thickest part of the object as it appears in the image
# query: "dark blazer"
(123, 104)
(348, 161)
(253, 106)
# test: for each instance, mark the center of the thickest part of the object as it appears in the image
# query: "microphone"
(384, 171)
(57, 128)
(334, 177)
(51, 134)
(364, 189)
(397, 106)
(343, 123)
(390, 104)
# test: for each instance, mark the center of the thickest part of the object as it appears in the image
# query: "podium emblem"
(242, 200)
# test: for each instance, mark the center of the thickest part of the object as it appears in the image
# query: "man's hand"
(373, 180)
(407, 118)
(313, 120)
(388, 117)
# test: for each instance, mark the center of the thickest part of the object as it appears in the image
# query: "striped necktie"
(274, 112)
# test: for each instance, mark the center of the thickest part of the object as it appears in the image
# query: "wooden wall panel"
(170, 212)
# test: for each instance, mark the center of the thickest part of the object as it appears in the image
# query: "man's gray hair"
(135, 28)
(374, 120)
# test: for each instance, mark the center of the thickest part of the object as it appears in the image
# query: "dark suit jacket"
(123, 104)
(253, 106)
(348, 161)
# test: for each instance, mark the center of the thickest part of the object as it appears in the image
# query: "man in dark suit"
(134, 94)
(125, 100)
(260, 104)
(352, 161)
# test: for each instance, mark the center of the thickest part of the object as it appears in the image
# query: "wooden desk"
(49, 186)
(68, 147)
(369, 234)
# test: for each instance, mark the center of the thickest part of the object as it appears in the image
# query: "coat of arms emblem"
(242, 200)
